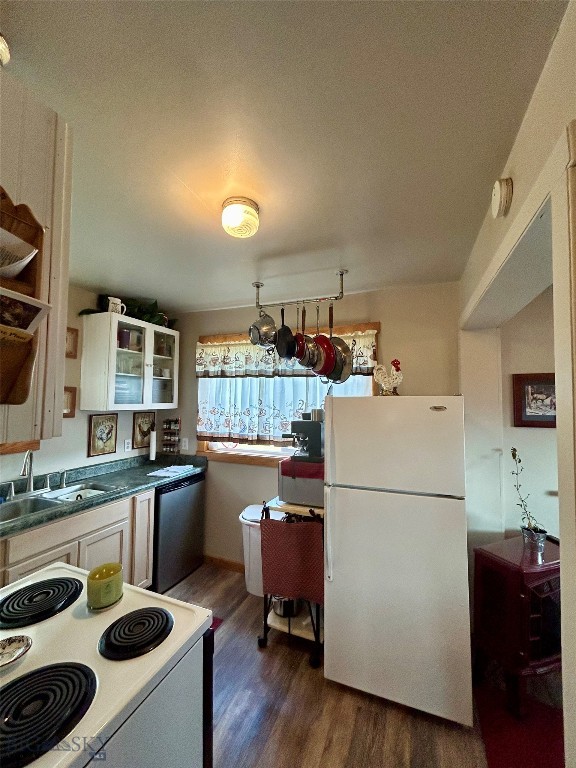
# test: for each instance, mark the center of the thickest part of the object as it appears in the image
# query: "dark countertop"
(130, 476)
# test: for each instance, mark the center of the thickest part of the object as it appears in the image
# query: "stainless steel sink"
(11, 510)
(79, 491)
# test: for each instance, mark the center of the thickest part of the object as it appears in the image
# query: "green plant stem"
(527, 518)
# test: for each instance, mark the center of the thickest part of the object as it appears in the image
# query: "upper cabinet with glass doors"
(127, 364)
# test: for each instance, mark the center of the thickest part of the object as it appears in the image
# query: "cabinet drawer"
(68, 553)
(51, 535)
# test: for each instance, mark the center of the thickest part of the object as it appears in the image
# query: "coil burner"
(136, 633)
(38, 601)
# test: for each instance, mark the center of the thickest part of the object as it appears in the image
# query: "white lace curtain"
(247, 395)
(241, 358)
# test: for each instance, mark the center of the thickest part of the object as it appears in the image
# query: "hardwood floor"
(272, 710)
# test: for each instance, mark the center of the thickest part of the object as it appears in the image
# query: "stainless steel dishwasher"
(178, 531)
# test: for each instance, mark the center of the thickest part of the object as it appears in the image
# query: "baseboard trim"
(220, 562)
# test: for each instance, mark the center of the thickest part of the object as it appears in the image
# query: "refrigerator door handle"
(328, 557)
(328, 441)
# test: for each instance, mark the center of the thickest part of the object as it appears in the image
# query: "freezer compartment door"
(396, 616)
(412, 444)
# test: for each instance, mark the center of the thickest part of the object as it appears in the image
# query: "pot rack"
(298, 302)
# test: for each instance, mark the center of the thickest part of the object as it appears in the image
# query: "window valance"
(237, 357)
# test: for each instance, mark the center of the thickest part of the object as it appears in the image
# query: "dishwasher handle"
(183, 482)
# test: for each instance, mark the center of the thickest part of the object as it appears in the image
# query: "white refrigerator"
(396, 613)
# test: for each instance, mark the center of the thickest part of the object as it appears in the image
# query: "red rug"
(215, 623)
(535, 741)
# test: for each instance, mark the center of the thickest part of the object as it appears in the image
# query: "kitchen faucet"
(27, 471)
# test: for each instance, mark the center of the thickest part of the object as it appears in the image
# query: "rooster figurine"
(145, 431)
(388, 383)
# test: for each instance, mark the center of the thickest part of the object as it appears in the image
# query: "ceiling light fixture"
(240, 217)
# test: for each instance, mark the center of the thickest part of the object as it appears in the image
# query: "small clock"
(501, 197)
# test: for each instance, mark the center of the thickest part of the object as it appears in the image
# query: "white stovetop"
(73, 635)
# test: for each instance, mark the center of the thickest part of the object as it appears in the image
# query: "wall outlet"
(127, 445)
(184, 443)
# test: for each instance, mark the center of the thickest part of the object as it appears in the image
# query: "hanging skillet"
(326, 357)
(285, 342)
(310, 356)
(343, 357)
(299, 337)
(343, 367)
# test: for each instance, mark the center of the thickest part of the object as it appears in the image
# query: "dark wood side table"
(517, 612)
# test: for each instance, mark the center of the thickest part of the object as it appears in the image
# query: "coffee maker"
(301, 477)
(308, 437)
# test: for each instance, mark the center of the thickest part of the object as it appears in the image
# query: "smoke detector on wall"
(501, 197)
(4, 51)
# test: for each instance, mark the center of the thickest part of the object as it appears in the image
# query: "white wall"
(480, 381)
(552, 107)
(528, 347)
(419, 327)
(229, 489)
(535, 173)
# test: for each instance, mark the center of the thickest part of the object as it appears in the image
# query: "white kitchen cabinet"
(142, 538)
(35, 148)
(121, 531)
(128, 364)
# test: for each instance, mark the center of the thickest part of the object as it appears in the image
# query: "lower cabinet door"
(142, 539)
(68, 553)
(108, 545)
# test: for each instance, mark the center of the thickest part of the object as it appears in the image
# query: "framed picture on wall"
(534, 399)
(102, 434)
(142, 424)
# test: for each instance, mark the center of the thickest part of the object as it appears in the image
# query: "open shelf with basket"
(21, 242)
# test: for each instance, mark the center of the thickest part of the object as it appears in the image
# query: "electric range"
(79, 695)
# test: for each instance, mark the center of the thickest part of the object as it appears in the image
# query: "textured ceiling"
(369, 133)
